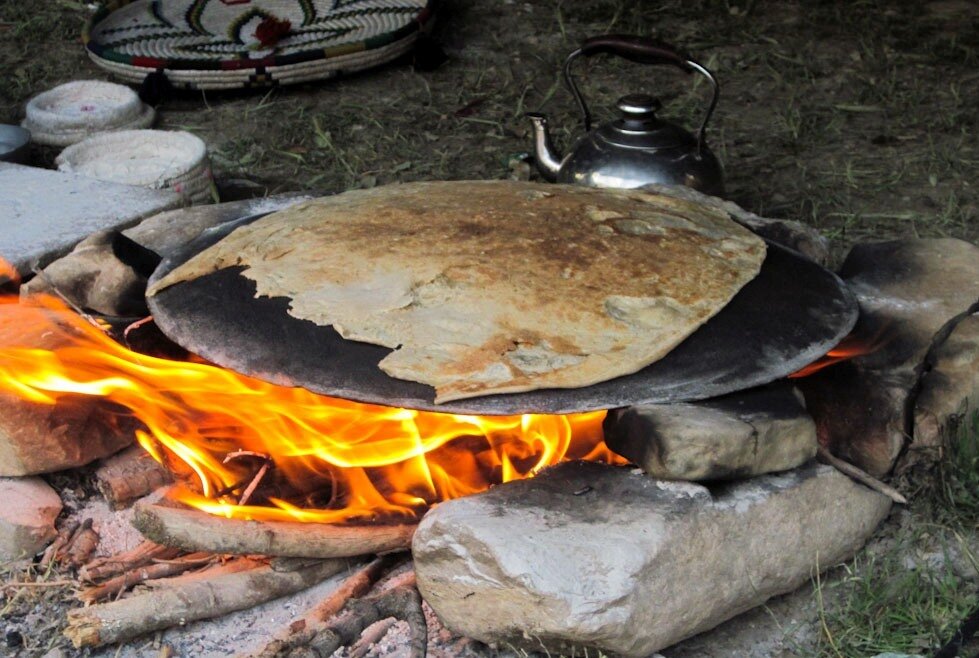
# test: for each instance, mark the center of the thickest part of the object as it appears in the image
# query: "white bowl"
(75, 110)
(159, 159)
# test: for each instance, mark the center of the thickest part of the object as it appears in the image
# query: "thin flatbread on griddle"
(495, 286)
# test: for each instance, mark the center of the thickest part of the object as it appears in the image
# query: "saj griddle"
(788, 316)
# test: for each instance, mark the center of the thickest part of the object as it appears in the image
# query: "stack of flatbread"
(496, 287)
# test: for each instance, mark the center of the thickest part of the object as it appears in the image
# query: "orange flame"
(8, 273)
(331, 459)
(848, 348)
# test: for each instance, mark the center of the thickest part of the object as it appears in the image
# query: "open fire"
(288, 453)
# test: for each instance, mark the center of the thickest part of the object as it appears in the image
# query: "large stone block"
(27, 517)
(749, 433)
(591, 556)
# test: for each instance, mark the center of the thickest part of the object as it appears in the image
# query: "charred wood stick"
(864, 478)
(67, 531)
(194, 530)
(81, 546)
(130, 579)
(114, 565)
(235, 565)
(189, 601)
(371, 636)
(402, 602)
(302, 631)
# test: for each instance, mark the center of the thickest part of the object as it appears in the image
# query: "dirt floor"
(859, 118)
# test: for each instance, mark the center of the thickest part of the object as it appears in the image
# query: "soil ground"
(859, 118)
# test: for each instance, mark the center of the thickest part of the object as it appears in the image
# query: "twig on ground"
(41, 274)
(861, 476)
(113, 565)
(184, 601)
(130, 579)
(67, 531)
(37, 584)
(80, 548)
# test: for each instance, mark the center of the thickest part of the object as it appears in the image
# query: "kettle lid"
(639, 127)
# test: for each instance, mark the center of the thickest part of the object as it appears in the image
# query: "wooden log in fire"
(193, 530)
(129, 475)
(185, 601)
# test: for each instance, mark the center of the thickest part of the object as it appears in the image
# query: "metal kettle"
(637, 148)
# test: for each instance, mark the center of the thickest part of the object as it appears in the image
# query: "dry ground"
(857, 117)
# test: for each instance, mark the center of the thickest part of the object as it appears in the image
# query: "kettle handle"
(641, 50)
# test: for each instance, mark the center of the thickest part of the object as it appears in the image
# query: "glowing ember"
(333, 459)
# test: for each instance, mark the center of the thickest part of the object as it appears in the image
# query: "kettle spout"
(548, 161)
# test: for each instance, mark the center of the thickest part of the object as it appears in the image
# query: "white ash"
(116, 532)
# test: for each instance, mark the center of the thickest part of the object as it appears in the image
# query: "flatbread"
(495, 286)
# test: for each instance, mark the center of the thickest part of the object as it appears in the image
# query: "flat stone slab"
(44, 213)
(27, 517)
(591, 556)
(763, 430)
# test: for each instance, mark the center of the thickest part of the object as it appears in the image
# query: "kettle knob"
(638, 107)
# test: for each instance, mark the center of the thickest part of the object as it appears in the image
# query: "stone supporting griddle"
(949, 391)
(759, 431)
(37, 438)
(592, 556)
(43, 438)
(44, 213)
(40, 438)
(96, 275)
(912, 293)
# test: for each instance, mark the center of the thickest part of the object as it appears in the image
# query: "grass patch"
(910, 597)
(886, 604)
(958, 479)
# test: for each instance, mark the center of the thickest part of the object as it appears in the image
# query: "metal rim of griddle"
(788, 316)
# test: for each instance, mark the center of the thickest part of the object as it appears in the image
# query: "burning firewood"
(302, 631)
(198, 531)
(186, 600)
(129, 475)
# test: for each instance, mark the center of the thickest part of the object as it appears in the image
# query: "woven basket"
(228, 44)
(158, 159)
(75, 110)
